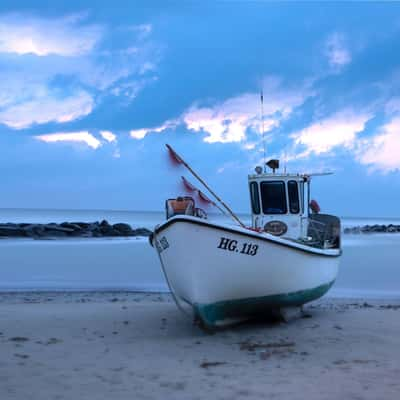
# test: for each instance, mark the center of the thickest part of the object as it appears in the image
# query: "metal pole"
(308, 195)
(262, 128)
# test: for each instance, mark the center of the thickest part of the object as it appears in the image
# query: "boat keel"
(287, 307)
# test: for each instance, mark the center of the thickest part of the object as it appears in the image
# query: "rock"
(19, 339)
(55, 227)
(12, 230)
(94, 229)
(124, 229)
(107, 229)
(365, 229)
(391, 228)
(55, 233)
(82, 225)
(142, 232)
(34, 231)
(86, 234)
(74, 227)
(377, 228)
(110, 232)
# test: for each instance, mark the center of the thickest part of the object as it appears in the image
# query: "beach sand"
(139, 346)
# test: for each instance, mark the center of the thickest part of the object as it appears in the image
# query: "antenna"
(262, 126)
(284, 161)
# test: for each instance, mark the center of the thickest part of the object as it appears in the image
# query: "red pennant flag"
(174, 158)
(188, 186)
(203, 198)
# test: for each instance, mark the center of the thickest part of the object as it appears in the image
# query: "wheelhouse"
(278, 201)
(281, 206)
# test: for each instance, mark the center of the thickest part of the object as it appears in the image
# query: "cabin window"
(302, 197)
(255, 198)
(293, 192)
(273, 197)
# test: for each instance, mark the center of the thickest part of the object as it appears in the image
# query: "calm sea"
(147, 219)
(369, 265)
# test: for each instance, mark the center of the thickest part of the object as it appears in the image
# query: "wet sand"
(139, 346)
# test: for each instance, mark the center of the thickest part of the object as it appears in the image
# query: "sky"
(91, 91)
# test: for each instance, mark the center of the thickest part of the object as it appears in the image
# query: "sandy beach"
(138, 346)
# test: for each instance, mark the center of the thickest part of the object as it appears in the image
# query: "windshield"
(273, 197)
(293, 192)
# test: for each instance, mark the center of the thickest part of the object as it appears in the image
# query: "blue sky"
(90, 93)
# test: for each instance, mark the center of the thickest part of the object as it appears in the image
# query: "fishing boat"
(229, 272)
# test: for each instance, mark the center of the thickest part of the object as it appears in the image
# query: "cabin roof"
(276, 175)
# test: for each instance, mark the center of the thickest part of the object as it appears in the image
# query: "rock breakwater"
(70, 229)
(373, 229)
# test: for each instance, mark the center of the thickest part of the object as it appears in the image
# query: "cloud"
(340, 129)
(230, 165)
(381, 152)
(337, 52)
(42, 37)
(143, 30)
(109, 136)
(141, 133)
(71, 137)
(392, 106)
(229, 121)
(249, 146)
(117, 153)
(221, 124)
(53, 69)
(47, 107)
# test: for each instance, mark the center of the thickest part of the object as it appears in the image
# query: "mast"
(262, 128)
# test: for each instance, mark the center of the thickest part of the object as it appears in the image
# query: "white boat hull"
(228, 273)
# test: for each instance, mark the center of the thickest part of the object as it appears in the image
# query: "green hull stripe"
(211, 314)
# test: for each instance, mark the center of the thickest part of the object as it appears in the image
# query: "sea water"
(369, 265)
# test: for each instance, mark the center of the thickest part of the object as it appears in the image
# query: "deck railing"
(323, 230)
